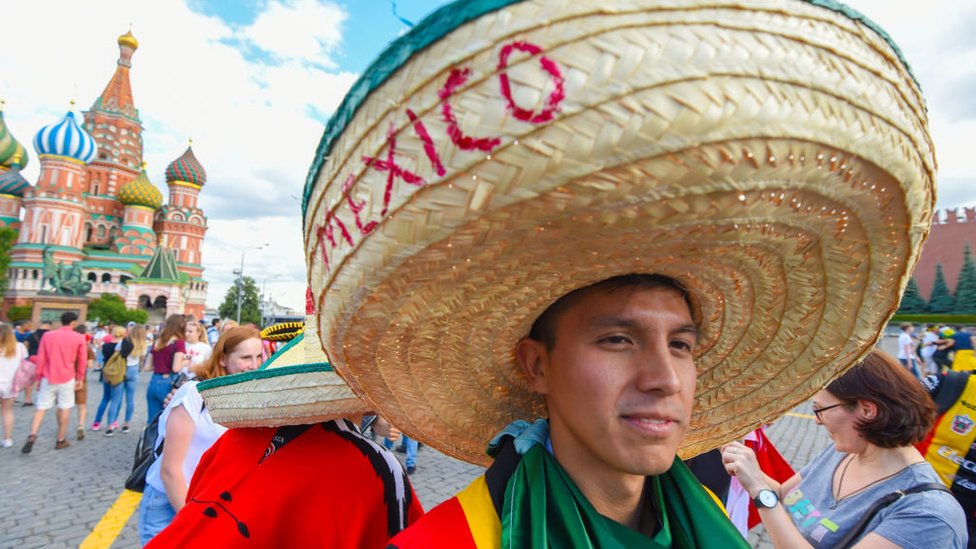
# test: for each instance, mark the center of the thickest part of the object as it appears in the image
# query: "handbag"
(25, 376)
(883, 502)
(113, 372)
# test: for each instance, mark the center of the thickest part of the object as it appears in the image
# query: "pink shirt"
(61, 356)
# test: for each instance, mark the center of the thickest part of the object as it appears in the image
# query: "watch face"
(768, 498)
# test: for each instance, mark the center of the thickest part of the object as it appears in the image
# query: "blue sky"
(254, 81)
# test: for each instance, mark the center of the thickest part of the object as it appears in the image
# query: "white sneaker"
(7, 443)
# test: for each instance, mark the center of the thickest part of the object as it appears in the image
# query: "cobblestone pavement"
(54, 499)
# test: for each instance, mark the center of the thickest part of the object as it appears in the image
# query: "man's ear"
(533, 356)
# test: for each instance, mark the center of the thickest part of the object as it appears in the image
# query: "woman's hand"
(740, 461)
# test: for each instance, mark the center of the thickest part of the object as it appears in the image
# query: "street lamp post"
(240, 279)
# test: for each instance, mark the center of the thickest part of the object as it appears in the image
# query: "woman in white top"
(198, 349)
(12, 353)
(189, 431)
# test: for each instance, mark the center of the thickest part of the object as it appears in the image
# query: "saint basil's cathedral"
(94, 207)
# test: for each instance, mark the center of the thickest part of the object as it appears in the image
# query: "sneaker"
(109, 432)
(29, 445)
(61, 444)
(412, 469)
(125, 428)
(96, 426)
(401, 449)
(7, 443)
(80, 433)
(26, 404)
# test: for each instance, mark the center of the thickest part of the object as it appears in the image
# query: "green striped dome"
(12, 153)
(141, 192)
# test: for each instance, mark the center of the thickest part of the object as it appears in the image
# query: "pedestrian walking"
(61, 362)
(213, 332)
(165, 361)
(189, 431)
(81, 393)
(107, 349)
(906, 349)
(33, 344)
(12, 353)
(133, 350)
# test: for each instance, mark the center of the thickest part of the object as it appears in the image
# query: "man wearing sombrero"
(658, 225)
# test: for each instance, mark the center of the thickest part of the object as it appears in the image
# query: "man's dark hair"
(68, 317)
(214, 322)
(544, 327)
(905, 409)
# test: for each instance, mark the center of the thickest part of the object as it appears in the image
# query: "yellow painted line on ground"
(804, 416)
(112, 521)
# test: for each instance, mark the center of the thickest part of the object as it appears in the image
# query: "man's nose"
(657, 370)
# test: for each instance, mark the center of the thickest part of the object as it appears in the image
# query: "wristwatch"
(766, 499)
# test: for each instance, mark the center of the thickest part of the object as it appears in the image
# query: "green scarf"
(544, 508)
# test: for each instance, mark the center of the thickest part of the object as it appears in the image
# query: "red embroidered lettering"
(455, 80)
(390, 165)
(548, 65)
(328, 231)
(435, 159)
(356, 207)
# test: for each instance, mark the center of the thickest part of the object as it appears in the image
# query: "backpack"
(113, 372)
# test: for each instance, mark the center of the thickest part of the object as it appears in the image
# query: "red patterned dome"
(186, 168)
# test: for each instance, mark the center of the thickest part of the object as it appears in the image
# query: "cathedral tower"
(13, 158)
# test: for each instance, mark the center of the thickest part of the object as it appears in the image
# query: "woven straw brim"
(292, 395)
(771, 155)
(296, 386)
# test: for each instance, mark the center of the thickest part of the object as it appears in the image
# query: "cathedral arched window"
(34, 274)
(101, 231)
(106, 277)
(92, 277)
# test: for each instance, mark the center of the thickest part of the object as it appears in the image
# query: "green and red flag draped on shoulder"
(526, 499)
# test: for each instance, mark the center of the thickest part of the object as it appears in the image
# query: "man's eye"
(616, 340)
(681, 345)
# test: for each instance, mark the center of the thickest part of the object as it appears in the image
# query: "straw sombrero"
(295, 386)
(772, 155)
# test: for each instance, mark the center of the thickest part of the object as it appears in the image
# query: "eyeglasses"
(817, 411)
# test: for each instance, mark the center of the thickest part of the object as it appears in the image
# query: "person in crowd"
(213, 332)
(927, 348)
(133, 348)
(197, 350)
(81, 393)
(12, 353)
(61, 363)
(105, 352)
(906, 348)
(33, 344)
(874, 413)
(943, 349)
(189, 431)
(227, 325)
(24, 328)
(165, 360)
(409, 447)
(949, 446)
(961, 342)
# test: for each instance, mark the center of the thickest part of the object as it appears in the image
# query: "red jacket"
(62, 356)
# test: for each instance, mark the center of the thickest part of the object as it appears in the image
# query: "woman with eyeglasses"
(874, 413)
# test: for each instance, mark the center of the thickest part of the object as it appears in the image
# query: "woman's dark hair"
(905, 409)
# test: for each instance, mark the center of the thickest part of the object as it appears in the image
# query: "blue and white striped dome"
(66, 138)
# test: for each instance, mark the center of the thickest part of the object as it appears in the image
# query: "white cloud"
(249, 121)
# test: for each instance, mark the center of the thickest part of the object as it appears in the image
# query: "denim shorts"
(155, 513)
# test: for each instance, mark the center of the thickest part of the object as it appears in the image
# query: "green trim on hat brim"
(255, 375)
(441, 23)
(273, 358)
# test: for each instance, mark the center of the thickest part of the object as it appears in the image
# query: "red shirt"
(61, 356)
(322, 485)
(162, 359)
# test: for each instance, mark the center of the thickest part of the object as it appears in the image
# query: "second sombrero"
(772, 155)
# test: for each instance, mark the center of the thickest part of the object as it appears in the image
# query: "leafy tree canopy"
(250, 302)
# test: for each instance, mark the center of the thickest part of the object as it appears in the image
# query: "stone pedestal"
(50, 307)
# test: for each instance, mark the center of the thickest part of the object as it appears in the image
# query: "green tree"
(111, 308)
(941, 300)
(8, 237)
(966, 287)
(250, 302)
(911, 300)
(19, 312)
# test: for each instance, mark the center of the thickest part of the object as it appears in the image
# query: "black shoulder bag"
(883, 502)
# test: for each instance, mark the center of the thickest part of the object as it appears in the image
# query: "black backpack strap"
(883, 502)
(950, 390)
(500, 471)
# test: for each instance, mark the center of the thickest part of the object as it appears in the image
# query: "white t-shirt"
(904, 340)
(8, 369)
(198, 352)
(929, 350)
(206, 433)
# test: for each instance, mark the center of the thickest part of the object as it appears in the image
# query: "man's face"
(620, 382)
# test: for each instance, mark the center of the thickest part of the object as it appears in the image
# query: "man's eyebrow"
(612, 321)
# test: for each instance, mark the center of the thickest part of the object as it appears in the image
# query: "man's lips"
(652, 424)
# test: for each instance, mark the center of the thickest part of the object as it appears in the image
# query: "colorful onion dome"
(128, 40)
(66, 138)
(186, 168)
(10, 148)
(12, 182)
(141, 192)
